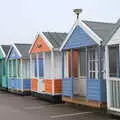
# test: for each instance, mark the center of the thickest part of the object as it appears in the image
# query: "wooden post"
(8, 69)
(52, 71)
(16, 69)
(71, 70)
(12, 68)
(107, 75)
(118, 71)
(21, 69)
(31, 70)
(86, 49)
(99, 63)
(62, 64)
(16, 73)
(44, 69)
(37, 65)
(31, 66)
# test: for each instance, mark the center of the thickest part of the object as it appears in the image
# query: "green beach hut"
(3, 66)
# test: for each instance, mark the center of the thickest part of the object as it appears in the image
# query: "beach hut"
(3, 66)
(112, 55)
(46, 65)
(83, 78)
(19, 69)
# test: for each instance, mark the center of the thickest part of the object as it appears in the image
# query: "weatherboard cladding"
(55, 38)
(79, 38)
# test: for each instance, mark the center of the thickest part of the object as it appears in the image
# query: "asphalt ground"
(15, 107)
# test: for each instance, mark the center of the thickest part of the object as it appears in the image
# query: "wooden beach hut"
(83, 78)
(3, 66)
(112, 55)
(19, 69)
(46, 65)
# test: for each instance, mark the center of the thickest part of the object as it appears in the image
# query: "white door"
(80, 84)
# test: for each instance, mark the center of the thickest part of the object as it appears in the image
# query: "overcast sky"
(21, 20)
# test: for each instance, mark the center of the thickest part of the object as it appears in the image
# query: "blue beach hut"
(19, 69)
(83, 80)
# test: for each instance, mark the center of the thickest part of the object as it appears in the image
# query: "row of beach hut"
(81, 67)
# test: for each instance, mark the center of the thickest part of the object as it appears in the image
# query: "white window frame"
(96, 71)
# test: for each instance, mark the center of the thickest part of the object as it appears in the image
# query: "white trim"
(9, 51)
(91, 33)
(31, 66)
(87, 29)
(46, 40)
(37, 65)
(107, 75)
(69, 34)
(8, 69)
(33, 44)
(44, 59)
(21, 61)
(16, 68)
(4, 55)
(17, 50)
(52, 71)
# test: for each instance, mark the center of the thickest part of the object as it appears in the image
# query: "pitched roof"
(102, 29)
(6, 48)
(117, 26)
(23, 49)
(55, 38)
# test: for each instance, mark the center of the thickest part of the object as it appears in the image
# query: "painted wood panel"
(4, 81)
(96, 90)
(39, 46)
(14, 54)
(27, 84)
(79, 38)
(17, 84)
(57, 86)
(12, 83)
(48, 86)
(34, 84)
(67, 89)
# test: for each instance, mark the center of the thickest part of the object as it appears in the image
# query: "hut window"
(93, 63)
(3, 63)
(26, 68)
(66, 64)
(14, 68)
(113, 61)
(40, 60)
(82, 62)
(39, 66)
(1, 66)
